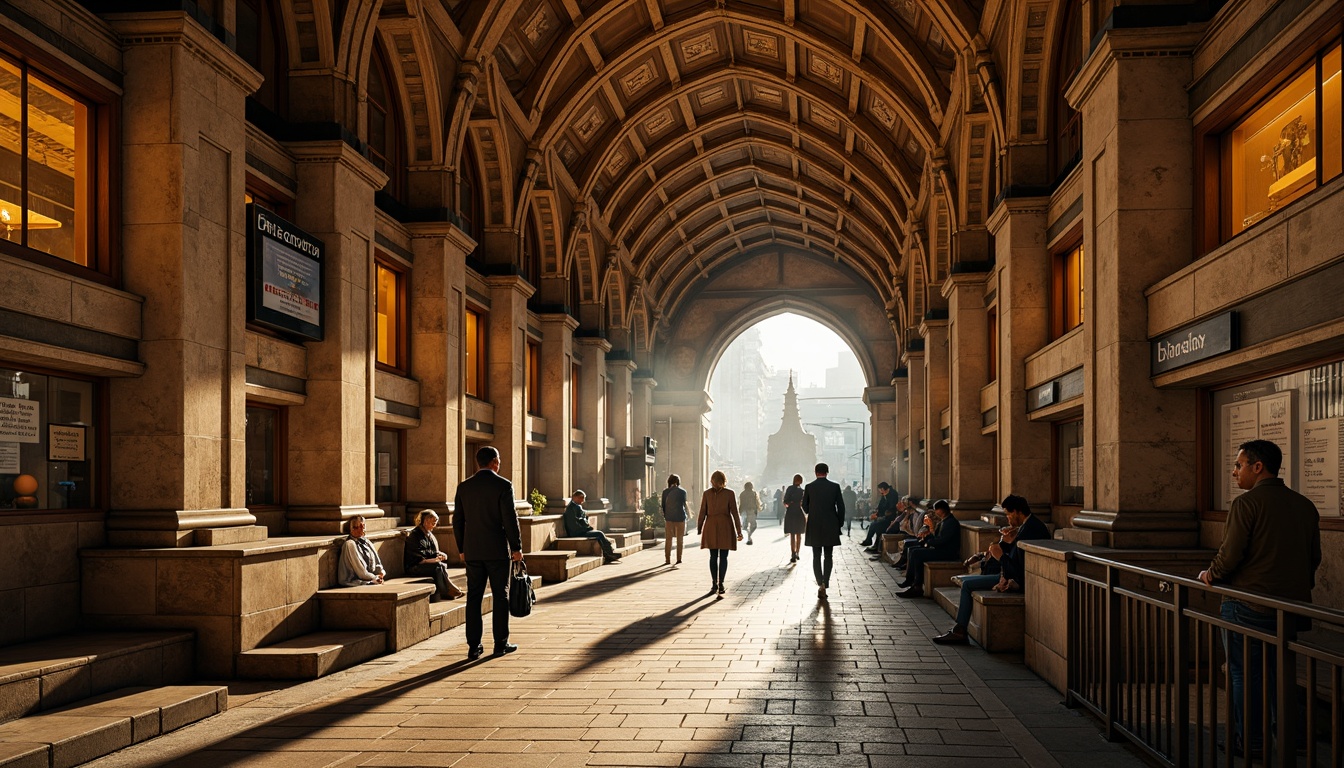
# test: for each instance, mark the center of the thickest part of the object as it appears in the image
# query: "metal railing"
(1146, 656)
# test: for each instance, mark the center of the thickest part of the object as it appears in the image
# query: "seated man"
(881, 518)
(917, 523)
(359, 564)
(940, 546)
(996, 564)
(576, 524)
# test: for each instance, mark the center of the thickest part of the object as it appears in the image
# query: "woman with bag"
(795, 521)
(720, 528)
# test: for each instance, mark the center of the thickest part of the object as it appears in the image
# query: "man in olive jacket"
(485, 525)
(1271, 546)
(824, 505)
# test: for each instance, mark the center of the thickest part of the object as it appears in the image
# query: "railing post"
(1285, 692)
(1114, 656)
(1180, 640)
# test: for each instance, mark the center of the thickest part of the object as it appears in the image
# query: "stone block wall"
(40, 593)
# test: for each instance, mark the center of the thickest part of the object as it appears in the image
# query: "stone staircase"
(68, 700)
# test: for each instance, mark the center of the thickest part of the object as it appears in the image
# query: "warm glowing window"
(1069, 290)
(533, 377)
(474, 333)
(390, 309)
(46, 166)
(1285, 147)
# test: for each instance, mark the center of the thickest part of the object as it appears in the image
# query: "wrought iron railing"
(1146, 656)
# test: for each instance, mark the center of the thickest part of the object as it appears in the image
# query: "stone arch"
(405, 42)
(309, 27)
(546, 207)
(496, 182)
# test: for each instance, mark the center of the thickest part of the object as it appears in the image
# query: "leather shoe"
(911, 592)
(871, 550)
(475, 652)
(500, 650)
(954, 636)
(899, 564)
(875, 558)
(904, 584)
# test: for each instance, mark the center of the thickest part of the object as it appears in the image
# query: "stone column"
(590, 461)
(900, 467)
(178, 431)
(621, 374)
(884, 444)
(1138, 184)
(917, 483)
(557, 357)
(438, 282)
(506, 363)
(937, 472)
(641, 420)
(331, 434)
(685, 415)
(971, 452)
(1023, 265)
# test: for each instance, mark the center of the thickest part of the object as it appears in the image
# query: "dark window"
(1069, 462)
(387, 465)
(265, 484)
(261, 45)
(386, 140)
(1067, 123)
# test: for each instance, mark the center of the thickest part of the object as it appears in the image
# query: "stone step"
(61, 670)
(400, 607)
(311, 656)
(621, 544)
(948, 598)
(449, 614)
(104, 724)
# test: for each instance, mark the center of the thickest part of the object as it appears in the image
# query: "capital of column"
(335, 151)
(445, 230)
(516, 283)
(177, 28)
(1015, 206)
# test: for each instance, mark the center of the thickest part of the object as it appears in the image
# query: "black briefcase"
(521, 594)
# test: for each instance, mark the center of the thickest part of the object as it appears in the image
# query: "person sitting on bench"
(576, 524)
(942, 545)
(359, 564)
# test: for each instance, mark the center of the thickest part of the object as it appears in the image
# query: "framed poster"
(284, 275)
(65, 442)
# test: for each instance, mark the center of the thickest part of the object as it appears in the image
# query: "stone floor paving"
(635, 664)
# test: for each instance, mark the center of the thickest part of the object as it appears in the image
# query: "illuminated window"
(1068, 291)
(1286, 146)
(46, 166)
(533, 377)
(474, 333)
(390, 308)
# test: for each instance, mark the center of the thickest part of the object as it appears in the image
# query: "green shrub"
(538, 501)
(653, 513)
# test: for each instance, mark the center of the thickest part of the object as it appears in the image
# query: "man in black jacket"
(941, 545)
(485, 525)
(824, 505)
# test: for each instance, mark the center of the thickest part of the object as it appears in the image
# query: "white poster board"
(1320, 464)
(65, 442)
(1277, 424)
(20, 420)
(1241, 422)
(9, 459)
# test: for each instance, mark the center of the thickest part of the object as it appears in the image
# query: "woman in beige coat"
(720, 528)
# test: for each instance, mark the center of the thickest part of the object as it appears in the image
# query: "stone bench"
(622, 543)
(556, 565)
(399, 607)
(58, 671)
(998, 619)
(940, 574)
(891, 546)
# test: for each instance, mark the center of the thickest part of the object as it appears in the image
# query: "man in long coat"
(824, 505)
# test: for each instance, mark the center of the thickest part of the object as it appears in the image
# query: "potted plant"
(654, 525)
(538, 501)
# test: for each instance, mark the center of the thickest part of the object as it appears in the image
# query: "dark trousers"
(718, 564)
(602, 541)
(875, 530)
(821, 565)
(497, 574)
(437, 571)
(916, 558)
(1246, 680)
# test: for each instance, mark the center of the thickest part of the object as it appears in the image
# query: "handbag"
(521, 594)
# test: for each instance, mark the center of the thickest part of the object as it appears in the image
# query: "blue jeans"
(970, 584)
(718, 564)
(602, 540)
(1233, 642)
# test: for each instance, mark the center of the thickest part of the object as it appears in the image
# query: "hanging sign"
(284, 274)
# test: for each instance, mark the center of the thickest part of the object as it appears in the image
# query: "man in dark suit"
(824, 505)
(485, 525)
(943, 544)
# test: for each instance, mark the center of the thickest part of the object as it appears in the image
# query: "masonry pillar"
(684, 416)
(883, 445)
(438, 282)
(506, 364)
(557, 358)
(972, 478)
(331, 434)
(937, 472)
(590, 461)
(178, 431)
(900, 464)
(642, 412)
(620, 372)
(917, 482)
(1023, 266)
(1138, 184)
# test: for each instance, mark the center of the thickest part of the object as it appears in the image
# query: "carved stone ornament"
(699, 47)
(540, 23)
(589, 123)
(617, 162)
(760, 44)
(825, 68)
(658, 123)
(769, 95)
(638, 78)
(711, 96)
(883, 113)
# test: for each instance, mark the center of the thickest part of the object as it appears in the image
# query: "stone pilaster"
(1138, 184)
(900, 465)
(621, 374)
(590, 461)
(972, 482)
(641, 419)
(684, 415)
(434, 449)
(178, 431)
(937, 373)
(557, 358)
(884, 448)
(331, 434)
(914, 363)
(1023, 266)
(506, 362)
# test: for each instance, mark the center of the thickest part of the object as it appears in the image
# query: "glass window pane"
(36, 473)
(58, 172)
(473, 354)
(387, 465)
(1273, 152)
(1069, 462)
(262, 448)
(388, 314)
(1332, 152)
(11, 152)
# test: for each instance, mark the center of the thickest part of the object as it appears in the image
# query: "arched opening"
(783, 358)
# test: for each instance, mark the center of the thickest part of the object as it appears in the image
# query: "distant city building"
(740, 391)
(792, 450)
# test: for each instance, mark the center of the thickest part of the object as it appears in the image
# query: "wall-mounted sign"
(9, 459)
(20, 420)
(1195, 342)
(65, 442)
(1042, 396)
(284, 275)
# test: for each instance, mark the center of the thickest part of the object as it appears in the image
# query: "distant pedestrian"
(795, 521)
(824, 504)
(851, 507)
(779, 504)
(720, 528)
(749, 504)
(674, 513)
(485, 525)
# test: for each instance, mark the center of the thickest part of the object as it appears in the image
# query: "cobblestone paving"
(636, 665)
